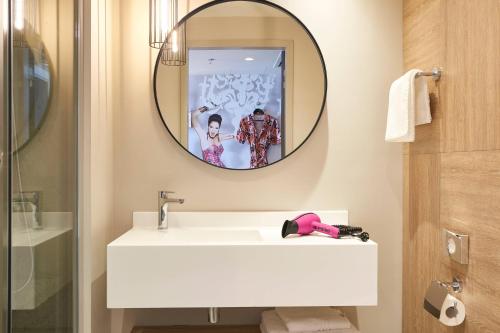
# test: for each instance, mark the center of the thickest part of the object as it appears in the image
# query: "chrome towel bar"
(435, 73)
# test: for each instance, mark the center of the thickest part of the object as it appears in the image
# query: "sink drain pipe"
(213, 315)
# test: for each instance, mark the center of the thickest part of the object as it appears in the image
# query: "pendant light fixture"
(164, 34)
(174, 50)
(26, 21)
(162, 18)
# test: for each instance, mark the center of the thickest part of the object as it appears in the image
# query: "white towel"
(312, 319)
(272, 323)
(408, 106)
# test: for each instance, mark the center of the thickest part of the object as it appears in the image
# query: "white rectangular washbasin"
(207, 235)
(237, 259)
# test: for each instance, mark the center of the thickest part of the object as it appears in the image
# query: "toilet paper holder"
(441, 304)
(455, 286)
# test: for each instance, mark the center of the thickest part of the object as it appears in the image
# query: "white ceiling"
(232, 60)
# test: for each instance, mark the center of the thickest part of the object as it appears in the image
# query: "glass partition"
(43, 175)
(4, 163)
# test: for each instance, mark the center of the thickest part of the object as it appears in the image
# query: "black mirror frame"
(264, 2)
(16, 150)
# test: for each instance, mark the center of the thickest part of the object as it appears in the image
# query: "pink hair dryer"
(305, 224)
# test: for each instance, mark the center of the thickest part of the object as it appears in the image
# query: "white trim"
(84, 109)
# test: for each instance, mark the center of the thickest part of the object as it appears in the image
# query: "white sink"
(237, 259)
(208, 235)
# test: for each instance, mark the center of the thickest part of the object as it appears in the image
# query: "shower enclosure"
(38, 166)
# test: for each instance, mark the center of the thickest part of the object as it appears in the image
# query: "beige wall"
(345, 165)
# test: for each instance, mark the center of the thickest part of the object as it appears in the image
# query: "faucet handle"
(164, 194)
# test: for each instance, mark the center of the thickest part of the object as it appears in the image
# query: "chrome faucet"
(163, 201)
(22, 200)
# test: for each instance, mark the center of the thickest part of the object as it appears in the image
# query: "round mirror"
(251, 88)
(31, 92)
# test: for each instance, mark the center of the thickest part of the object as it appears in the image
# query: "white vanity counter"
(241, 260)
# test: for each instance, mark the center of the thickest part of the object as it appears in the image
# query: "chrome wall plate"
(456, 246)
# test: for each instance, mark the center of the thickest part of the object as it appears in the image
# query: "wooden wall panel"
(421, 236)
(470, 204)
(462, 175)
(423, 48)
(423, 32)
(472, 118)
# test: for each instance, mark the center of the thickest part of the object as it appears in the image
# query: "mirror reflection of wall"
(243, 56)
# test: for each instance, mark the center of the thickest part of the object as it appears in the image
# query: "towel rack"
(435, 73)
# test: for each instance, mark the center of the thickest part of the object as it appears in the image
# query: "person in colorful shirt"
(260, 130)
(210, 139)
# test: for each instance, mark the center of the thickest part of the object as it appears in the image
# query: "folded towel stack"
(305, 320)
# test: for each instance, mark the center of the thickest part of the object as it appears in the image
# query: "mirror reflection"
(251, 91)
(31, 91)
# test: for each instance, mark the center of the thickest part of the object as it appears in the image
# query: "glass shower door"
(43, 173)
(4, 163)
